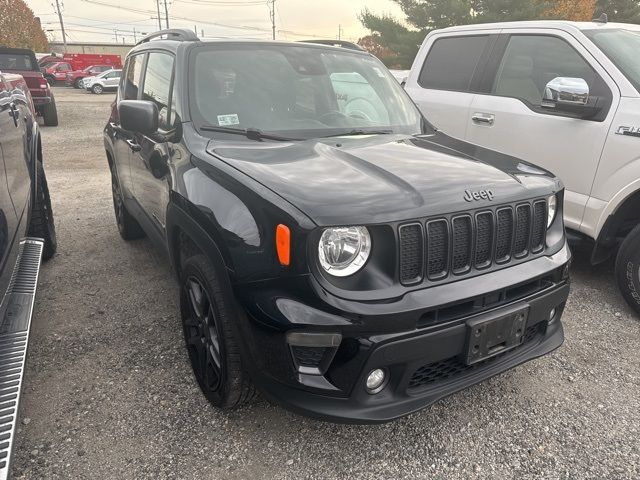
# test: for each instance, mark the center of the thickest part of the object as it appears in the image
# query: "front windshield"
(297, 91)
(622, 47)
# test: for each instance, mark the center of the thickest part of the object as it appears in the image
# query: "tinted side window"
(157, 84)
(132, 79)
(530, 62)
(452, 62)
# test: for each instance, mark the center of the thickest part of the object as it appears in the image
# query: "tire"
(78, 83)
(208, 317)
(628, 269)
(42, 224)
(97, 89)
(50, 113)
(128, 226)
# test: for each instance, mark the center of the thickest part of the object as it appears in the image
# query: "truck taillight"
(44, 84)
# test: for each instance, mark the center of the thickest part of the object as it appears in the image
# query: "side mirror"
(570, 95)
(138, 116)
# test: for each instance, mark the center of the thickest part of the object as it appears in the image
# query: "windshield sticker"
(226, 120)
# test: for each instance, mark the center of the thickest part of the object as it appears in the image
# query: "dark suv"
(27, 234)
(332, 248)
(23, 62)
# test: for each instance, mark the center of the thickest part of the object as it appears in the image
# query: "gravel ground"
(109, 392)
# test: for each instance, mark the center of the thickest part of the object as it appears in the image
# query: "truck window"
(452, 62)
(157, 84)
(622, 47)
(132, 79)
(532, 61)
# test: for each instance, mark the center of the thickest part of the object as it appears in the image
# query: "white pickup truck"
(561, 95)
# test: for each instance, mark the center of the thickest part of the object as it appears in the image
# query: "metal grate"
(504, 235)
(437, 249)
(411, 253)
(452, 367)
(539, 226)
(484, 239)
(462, 244)
(523, 230)
(459, 244)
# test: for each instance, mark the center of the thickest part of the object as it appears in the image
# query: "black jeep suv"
(332, 248)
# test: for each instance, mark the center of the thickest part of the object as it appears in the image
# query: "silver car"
(108, 80)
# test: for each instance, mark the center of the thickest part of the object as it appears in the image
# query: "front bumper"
(423, 357)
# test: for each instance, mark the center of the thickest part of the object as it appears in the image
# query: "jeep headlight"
(344, 250)
(552, 208)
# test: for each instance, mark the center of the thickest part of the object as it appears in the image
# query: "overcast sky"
(85, 20)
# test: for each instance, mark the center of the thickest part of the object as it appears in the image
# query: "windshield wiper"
(360, 131)
(250, 133)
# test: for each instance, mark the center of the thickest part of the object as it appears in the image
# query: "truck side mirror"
(138, 116)
(570, 95)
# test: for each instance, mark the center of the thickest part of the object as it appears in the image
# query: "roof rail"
(178, 34)
(336, 43)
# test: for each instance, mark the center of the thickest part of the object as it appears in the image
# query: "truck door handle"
(483, 119)
(134, 146)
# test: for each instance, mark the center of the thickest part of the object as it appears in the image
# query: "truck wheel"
(128, 226)
(208, 315)
(50, 113)
(42, 224)
(97, 88)
(628, 268)
(78, 83)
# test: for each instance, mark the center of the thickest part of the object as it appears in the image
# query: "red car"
(74, 78)
(23, 62)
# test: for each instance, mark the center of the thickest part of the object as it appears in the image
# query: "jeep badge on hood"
(470, 196)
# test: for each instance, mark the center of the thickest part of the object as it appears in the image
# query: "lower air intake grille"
(452, 367)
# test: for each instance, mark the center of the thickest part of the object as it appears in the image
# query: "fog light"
(552, 315)
(375, 380)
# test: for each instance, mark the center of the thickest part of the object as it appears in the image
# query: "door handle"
(134, 146)
(484, 119)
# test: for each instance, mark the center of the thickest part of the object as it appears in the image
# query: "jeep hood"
(384, 178)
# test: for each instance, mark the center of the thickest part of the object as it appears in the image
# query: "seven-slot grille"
(462, 243)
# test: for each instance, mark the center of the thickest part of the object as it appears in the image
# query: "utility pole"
(272, 14)
(159, 18)
(115, 32)
(135, 40)
(202, 33)
(166, 13)
(339, 32)
(64, 35)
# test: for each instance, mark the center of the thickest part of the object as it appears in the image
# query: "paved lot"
(109, 392)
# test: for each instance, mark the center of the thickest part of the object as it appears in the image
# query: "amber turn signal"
(283, 244)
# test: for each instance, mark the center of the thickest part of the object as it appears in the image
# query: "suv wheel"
(128, 226)
(50, 113)
(97, 88)
(78, 83)
(208, 317)
(628, 268)
(42, 224)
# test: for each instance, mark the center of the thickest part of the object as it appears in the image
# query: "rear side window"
(132, 78)
(157, 85)
(452, 62)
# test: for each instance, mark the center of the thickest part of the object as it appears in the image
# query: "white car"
(561, 95)
(108, 80)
